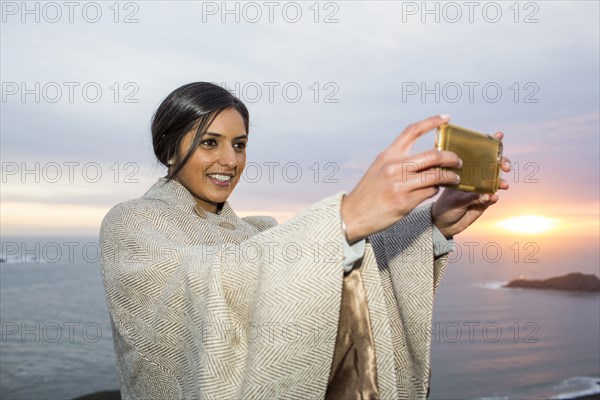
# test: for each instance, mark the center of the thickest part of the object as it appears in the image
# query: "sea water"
(488, 342)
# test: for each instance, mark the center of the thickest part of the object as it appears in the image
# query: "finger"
(429, 178)
(503, 184)
(424, 193)
(488, 198)
(404, 142)
(498, 135)
(433, 158)
(505, 164)
(455, 198)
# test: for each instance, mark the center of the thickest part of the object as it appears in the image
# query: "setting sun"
(528, 224)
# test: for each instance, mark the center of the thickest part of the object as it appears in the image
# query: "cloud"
(327, 92)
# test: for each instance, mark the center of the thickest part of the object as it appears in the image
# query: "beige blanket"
(213, 306)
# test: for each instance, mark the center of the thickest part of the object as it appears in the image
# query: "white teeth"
(221, 178)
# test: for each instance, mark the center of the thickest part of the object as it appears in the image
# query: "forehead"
(229, 122)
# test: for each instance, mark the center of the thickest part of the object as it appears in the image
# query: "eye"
(209, 142)
(240, 145)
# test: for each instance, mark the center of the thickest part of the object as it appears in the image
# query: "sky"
(329, 85)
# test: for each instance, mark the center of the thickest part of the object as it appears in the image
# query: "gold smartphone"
(481, 155)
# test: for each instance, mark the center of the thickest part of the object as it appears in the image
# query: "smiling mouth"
(221, 179)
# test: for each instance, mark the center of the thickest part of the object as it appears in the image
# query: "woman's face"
(215, 167)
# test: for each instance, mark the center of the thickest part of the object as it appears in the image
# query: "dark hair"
(192, 106)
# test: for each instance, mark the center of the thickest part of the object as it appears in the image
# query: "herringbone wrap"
(203, 311)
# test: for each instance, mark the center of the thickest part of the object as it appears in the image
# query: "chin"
(219, 198)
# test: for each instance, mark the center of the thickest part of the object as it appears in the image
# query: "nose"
(227, 158)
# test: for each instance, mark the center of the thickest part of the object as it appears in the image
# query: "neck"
(214, 208)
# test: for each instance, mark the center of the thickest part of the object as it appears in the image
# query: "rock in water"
(575, 281)
(106, 395)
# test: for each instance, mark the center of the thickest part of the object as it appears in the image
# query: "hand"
(397, 182)
(455, 210)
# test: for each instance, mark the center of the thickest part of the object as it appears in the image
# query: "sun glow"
(528, 224)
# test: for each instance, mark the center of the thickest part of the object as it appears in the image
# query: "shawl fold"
(215, 306)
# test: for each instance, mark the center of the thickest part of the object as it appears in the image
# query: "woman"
(334, 303)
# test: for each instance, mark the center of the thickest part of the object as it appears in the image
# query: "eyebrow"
(215, 134)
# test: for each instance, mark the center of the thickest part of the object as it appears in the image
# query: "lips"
(220, 179)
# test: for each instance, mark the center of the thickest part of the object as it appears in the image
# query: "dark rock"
(575, 281)
(106, 395)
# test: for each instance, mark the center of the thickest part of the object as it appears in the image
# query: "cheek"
(241, 161)
(201, 161)
(241, 164)
(193, 171)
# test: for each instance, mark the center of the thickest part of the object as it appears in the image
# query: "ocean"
(488, 342)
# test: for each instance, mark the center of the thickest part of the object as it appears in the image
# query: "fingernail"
(457, 178)
(460, 163)
(484, 198)
(444, 116)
